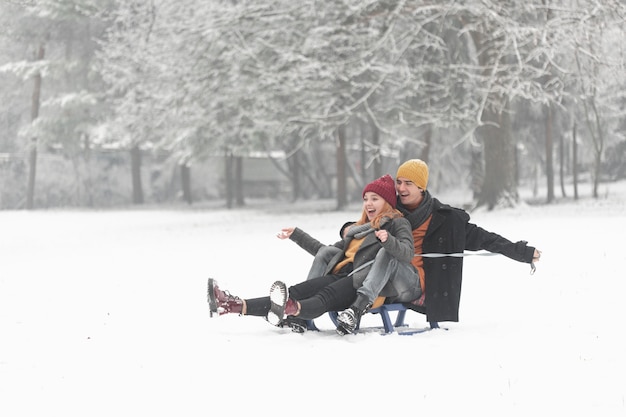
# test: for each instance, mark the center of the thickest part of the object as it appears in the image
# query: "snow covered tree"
(598, 82)
(60, 35)
(196, 79)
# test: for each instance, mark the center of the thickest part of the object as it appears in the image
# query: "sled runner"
(388, 326)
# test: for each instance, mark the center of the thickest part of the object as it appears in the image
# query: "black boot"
(349, 319)
(361, 304)
(295, 324)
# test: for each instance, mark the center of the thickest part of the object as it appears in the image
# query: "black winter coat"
(450, 231)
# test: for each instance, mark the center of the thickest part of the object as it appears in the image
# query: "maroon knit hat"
(384, 187)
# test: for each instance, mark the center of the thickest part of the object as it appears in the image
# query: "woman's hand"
(285, 232)
(382, 235)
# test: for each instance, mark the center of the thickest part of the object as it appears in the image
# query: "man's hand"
(536, 255)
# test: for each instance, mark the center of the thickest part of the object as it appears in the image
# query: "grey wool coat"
(399, 245)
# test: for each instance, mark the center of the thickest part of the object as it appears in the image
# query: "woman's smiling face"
(372, 204)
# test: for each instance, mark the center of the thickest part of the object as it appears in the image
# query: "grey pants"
(388, 277)
(322, 258)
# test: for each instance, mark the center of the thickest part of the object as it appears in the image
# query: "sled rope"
(533, 268)
(366, 264)
(456, 255)
(431, 255)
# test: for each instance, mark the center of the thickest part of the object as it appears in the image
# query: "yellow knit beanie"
(416, 170)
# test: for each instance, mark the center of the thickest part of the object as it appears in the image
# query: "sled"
(388, 326)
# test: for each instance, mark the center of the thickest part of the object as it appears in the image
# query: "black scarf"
(418, 216)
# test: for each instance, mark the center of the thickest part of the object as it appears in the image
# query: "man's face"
(409, 193)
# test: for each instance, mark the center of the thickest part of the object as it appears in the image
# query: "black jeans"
(321, 295)
(316, 296)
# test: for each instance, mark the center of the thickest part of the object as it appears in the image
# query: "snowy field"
(104, 313)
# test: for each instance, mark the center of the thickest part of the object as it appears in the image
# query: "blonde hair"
(387, 211)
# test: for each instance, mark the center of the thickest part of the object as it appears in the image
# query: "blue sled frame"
(388, 326)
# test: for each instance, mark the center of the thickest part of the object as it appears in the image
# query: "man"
(437, 229)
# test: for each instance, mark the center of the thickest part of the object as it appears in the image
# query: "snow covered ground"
(104, 313)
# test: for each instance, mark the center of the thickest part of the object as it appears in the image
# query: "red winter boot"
(221, 302)
(291, 307)
(281, 305)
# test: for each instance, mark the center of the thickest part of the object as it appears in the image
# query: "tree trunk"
(598, 148)
(562, 163)
(516, 164)
(549, 157)
(185, 176)
(239, 200)
(428, 140)
(477, 171)
(596, 174)
(498, 186)
(294, 164)
(34, 114)
(228, 178)
(341, 168)
(316, 177)
(575, 162)
(378, 162)
(363, 156)
(316, 171)
(32, 171)
(135, 167)
(88, 166)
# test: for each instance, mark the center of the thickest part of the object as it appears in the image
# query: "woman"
(380, 226)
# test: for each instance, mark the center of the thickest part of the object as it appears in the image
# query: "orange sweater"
(418, 261)
(349, 253)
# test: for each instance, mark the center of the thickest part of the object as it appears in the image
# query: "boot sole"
(211, 298)
(346, 327)
(278, 300)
